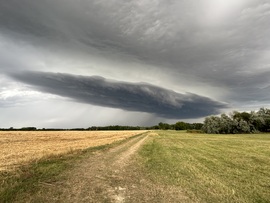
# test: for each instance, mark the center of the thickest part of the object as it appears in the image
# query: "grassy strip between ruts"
(211, 168)
(26, 180)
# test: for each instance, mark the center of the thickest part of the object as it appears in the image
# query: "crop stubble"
(19, 147)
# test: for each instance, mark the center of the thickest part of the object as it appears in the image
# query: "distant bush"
(28, 129)
(114, 127)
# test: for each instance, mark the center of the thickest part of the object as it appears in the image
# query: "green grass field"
(211, 168)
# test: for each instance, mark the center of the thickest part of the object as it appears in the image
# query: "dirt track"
(111, 176)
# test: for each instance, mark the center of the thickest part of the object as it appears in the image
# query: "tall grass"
(212, 168)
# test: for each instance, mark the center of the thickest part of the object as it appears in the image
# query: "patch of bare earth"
(111, 176)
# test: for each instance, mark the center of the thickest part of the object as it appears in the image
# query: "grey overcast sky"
(67, 63)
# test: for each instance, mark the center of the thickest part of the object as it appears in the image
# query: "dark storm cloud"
(140, 97)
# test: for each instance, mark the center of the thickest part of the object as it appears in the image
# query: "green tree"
(164, 126)
(212, 125)
(181, 126)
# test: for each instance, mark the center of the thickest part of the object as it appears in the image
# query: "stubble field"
(211, 168)
(19, 147)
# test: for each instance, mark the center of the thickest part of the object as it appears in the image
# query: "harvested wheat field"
(20, 147)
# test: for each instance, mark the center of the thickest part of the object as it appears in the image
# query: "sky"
(68, 64)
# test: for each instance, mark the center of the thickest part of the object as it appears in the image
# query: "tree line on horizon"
(177, 126)
(161, 126)
(234, 123)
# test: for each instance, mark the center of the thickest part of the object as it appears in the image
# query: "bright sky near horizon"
(67, 63)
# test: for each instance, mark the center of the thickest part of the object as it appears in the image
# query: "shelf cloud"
(141, 97)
